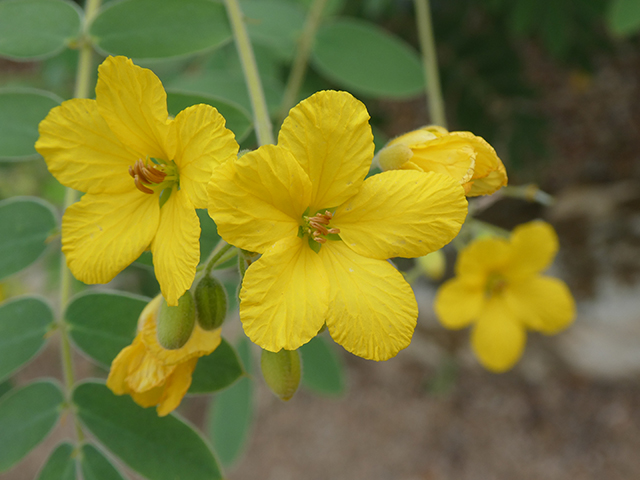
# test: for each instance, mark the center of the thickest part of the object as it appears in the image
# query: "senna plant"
(181, 185)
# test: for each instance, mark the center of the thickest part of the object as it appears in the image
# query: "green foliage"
(149, 29)
(21, 110)
(35, 29)
(231, 413)
(623, 18)
(24, 321)
(26, 223)
(216, 371)
(27, 415)
(366, 60)
(103, 323)
(95, 466)
(238, 119)
(322, 369)
(60, 465)
(160, 448)
(275, 24)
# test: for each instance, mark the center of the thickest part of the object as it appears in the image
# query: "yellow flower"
(325, 233)
(466, 157)
(144, 174)
(499, 287)
(153, 375)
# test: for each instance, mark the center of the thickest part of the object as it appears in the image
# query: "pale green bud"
(211, 303)
(281, 371)
(433, 264)
(175, 324)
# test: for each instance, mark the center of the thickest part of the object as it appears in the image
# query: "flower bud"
(281, 371)
(175, 324)
(211, 303)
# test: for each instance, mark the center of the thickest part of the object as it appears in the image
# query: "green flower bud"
(175, 324)
(281, 371)
(211, 303)
(433, 264)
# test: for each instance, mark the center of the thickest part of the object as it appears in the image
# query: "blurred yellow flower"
(462, 155)
(498, 287)
(153, 375)
(144, 174)
(325, 233)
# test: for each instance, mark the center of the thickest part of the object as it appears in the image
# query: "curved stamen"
(319, 223)
(144, 175)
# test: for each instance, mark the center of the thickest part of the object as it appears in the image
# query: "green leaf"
(624, 17)
(237, 118)
(276, 24)
(26, 223)
(27, 415)
(60, 465)
(24, 322)
(367, 60)
(95, 466)
(231, 413)
(5, 387)
(36, 29)
(216, 371)
(148, 29)
(322, 369)
(160, 448)
(21, 110)
(103, 323)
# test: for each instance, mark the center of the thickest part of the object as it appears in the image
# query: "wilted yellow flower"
(144, 174)
(153, 375)
(466, 157)
(325, 233)
(498, 287)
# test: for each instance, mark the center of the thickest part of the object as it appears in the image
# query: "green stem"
(82, 90)
(216, 256)
(261, 118)
(299, 67)
(435, 101)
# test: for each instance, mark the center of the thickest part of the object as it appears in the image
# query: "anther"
(319, 222)
(144, 175)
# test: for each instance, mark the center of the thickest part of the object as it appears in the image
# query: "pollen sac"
(211, 303)
(175, 324)
(281, 371)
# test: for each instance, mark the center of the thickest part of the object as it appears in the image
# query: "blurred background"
(554, 86)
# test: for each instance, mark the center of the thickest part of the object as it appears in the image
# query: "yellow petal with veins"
(102, 234)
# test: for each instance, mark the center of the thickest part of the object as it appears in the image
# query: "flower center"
(154, 175)
(318, 226)
(496, 283)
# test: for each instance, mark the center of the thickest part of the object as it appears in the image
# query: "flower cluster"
(325, 232)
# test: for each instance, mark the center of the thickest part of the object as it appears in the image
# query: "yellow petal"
(284, 296)
(458, 304)
(533, 248)
(176, 247)
(151, 373)
(176, 387)
(490, 174)
(498, 339)
(102, 234)
(329, 135)
(133, 102)
(448, 154)
(373, 310)
(482, 257)
(82, 152)
(544, 304)
(128, 357)
(148, 398)
(402, 214)
(202, 342)
(259, 199)
(203, 144)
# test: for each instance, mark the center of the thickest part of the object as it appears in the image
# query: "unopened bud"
(211, 303)
(433, 264)
(175, 324)
(281, 371)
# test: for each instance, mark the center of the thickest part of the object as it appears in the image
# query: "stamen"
(319, 223)
(144, 175)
